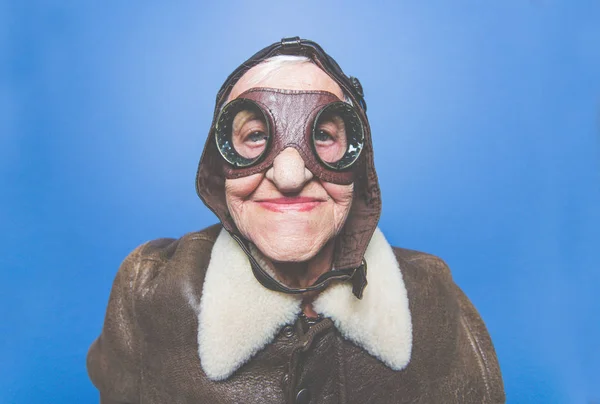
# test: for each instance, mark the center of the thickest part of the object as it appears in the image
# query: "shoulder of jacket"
(162, 249)
(147, 260)
(429, 263)
(469, 320)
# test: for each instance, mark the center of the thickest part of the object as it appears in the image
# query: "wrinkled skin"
(287, 212)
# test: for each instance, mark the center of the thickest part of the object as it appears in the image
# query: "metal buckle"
(291, 44)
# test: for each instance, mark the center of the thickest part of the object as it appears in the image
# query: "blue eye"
(322, 136)
(242, 133)
(257, 136)
(337, 135)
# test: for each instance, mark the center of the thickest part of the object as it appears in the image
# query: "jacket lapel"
(238, 316)
(380, 322)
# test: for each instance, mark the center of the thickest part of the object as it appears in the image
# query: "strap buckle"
(291, 44)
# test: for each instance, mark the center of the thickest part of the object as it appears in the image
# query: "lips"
(288, 203)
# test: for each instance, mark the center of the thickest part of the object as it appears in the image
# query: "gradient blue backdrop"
(485, 122)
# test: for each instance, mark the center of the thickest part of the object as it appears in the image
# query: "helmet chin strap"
(358, 276)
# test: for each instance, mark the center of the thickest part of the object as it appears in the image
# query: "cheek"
(237, 192)
(341, 194)
(241, 188)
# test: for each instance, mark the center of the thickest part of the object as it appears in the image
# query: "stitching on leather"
(440, 266)
(479, 354)
(286, 91)
(142, 258)
(341, 369)
(204, 238)
(145, 259)
(132, 287)
(425, 257)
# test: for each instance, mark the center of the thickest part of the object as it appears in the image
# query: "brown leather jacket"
(172, 334)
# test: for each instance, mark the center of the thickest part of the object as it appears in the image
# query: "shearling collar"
(237, 316)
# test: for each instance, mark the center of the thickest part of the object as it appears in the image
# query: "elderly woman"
(296, 296)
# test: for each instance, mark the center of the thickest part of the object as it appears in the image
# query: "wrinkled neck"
(304, 274)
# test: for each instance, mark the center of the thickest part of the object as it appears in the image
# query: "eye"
(250, 134)
(322, 136)
(242, 132)
(329, 136)
(257, 137)
(337, 135)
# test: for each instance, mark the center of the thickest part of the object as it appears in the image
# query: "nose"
(288, 171)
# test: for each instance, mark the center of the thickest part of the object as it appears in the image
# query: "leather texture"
(148, 350)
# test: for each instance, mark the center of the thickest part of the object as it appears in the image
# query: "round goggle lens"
(242, 133)
(338, 135)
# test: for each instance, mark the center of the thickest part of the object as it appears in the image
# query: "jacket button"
(288, 331)
(303, 397)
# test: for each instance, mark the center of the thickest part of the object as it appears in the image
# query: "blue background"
(485, 117)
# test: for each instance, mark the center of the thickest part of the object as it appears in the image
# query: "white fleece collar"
(237, 316)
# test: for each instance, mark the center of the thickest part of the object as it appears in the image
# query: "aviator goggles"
(254, 128)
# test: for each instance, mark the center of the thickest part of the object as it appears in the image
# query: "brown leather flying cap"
(351, 243)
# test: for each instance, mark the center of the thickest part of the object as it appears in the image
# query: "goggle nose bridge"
(306, 160)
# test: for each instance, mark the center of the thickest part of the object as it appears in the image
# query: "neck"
(300, 274)
(304, 274)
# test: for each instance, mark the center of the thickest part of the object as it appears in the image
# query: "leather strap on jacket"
(358, 276)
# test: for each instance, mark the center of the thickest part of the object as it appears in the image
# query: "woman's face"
(287, 212)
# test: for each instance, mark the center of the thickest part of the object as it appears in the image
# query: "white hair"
(275, 63)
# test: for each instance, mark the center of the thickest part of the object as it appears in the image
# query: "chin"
(289, 244)
(281, 253)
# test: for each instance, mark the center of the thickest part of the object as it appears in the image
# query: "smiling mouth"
(286, 203)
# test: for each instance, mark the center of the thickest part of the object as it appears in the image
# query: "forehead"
(297, 76)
